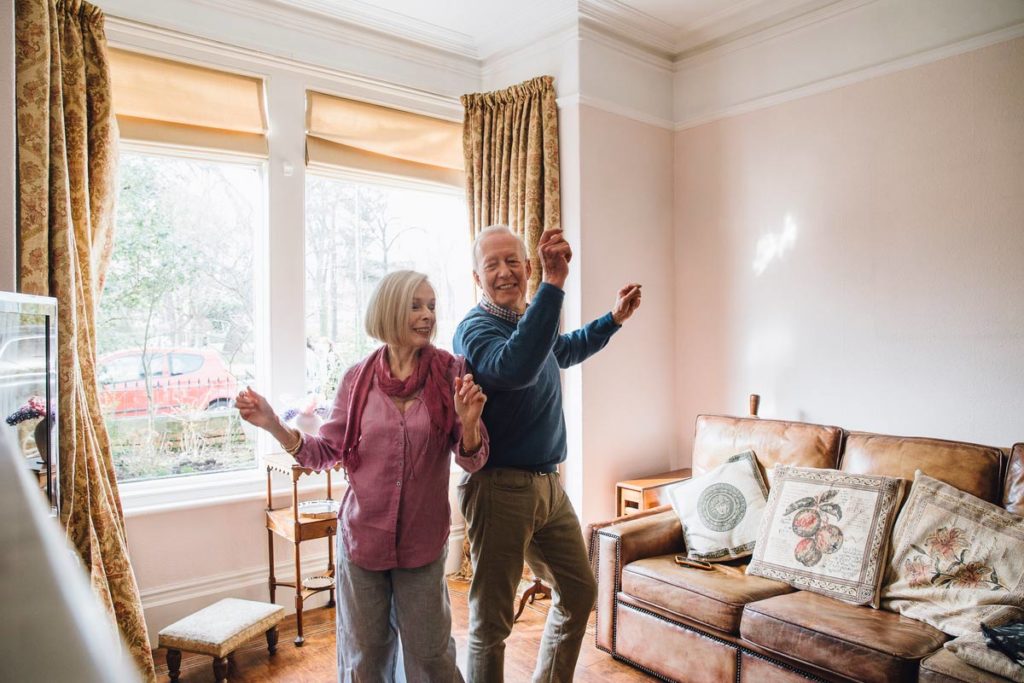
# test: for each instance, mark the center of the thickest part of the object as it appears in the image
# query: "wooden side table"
(634, 495)
(289, 524)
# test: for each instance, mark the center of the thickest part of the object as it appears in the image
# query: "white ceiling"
(480, 28)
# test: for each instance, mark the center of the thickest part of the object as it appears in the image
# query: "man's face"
(502, 270)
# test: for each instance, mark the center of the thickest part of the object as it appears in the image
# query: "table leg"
(174, 664)
(299, 640)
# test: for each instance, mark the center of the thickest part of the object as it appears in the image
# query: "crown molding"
(533, 21)
(661, 39)
(742, 19)
(753, 36)
(633, 26)
(369, 16)
(180, 15)
(597, 34)
(831, 83)
(171, 43)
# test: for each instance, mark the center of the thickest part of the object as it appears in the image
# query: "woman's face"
(421, 318)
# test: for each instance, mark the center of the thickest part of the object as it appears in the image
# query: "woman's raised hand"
(469, 400)
(255, 409)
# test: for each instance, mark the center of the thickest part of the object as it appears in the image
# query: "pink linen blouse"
(395, 513)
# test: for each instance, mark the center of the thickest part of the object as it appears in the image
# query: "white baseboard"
(163, 605)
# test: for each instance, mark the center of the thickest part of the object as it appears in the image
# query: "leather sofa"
(711, 626)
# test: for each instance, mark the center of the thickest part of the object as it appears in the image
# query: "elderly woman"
(397, 415)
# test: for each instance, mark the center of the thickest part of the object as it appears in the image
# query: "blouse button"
(398, 483)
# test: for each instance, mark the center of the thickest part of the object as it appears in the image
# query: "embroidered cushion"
(721, 510)
(957, 560)
(827, 532)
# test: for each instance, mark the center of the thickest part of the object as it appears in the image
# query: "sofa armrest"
(594, 527)
(633, 538)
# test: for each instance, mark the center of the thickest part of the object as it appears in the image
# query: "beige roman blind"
(174, 103)
(368, 137)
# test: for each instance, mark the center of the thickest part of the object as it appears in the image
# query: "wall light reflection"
(774, 245)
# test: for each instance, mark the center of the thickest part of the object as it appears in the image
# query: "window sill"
(206, 490)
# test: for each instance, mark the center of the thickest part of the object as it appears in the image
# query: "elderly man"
(515, 508)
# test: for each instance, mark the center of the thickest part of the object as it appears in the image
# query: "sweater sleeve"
(513, 362)
(323, 451)
(578, 345)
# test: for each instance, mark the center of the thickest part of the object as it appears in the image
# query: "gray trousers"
(394, 622)
(512, 515)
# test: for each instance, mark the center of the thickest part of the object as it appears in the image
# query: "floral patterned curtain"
(510, 141)
(67, 163)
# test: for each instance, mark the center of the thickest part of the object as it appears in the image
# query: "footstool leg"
(220, 669)
(272, 639)
(174, 664)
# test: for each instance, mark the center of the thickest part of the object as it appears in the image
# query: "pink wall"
(855, 256)
(625, 234)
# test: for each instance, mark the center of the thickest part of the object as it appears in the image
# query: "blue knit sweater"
(517, 367)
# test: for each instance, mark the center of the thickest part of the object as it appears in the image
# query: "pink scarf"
(430, 376)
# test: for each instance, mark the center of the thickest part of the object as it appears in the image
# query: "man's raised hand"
(555, 254)
(626, 303)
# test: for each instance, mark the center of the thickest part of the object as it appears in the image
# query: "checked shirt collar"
(506, 314)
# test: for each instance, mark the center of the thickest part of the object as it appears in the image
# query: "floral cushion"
(827, 531)
(721, 510)
(957, 560)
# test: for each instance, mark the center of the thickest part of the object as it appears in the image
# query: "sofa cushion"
(956, 560)
(715, 598)
(839, 637)
(1013, 486)
(968, 467)
(827, 531)
(721, 510)
(946, 667)
(718, 438)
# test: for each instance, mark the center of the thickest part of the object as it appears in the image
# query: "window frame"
(285, 84)
(195, 490)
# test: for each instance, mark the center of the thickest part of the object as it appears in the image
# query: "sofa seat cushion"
(715, 598)
(946, 667)
(839, 637)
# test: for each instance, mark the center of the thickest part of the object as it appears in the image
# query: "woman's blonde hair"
(387, 314)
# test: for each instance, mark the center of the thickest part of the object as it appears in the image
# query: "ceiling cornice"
(365, 15)
(315, 23)
(631, 25)
(162, 42)
(732, 22)
(363, 24)
(534, 20)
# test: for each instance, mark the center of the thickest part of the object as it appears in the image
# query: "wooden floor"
(315, 661)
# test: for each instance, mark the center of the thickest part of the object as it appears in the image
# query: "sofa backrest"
(969, 467)
(773, 441)
(1013, 483)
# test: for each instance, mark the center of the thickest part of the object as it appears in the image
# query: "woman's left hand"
(469, 400)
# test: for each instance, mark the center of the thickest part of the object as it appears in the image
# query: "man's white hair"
(493, 230)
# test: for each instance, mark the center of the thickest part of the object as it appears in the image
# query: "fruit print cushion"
(956, 561)
(721, 509)
(827, 532)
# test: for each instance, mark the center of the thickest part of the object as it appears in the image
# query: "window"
(357, 229)
(176, 323)
(185, 363)
(127, 368)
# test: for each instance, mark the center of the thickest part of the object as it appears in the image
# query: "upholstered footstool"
(218, 630)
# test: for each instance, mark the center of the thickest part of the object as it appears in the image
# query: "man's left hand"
(627, 302)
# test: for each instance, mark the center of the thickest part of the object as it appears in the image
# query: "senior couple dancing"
(498, 406)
